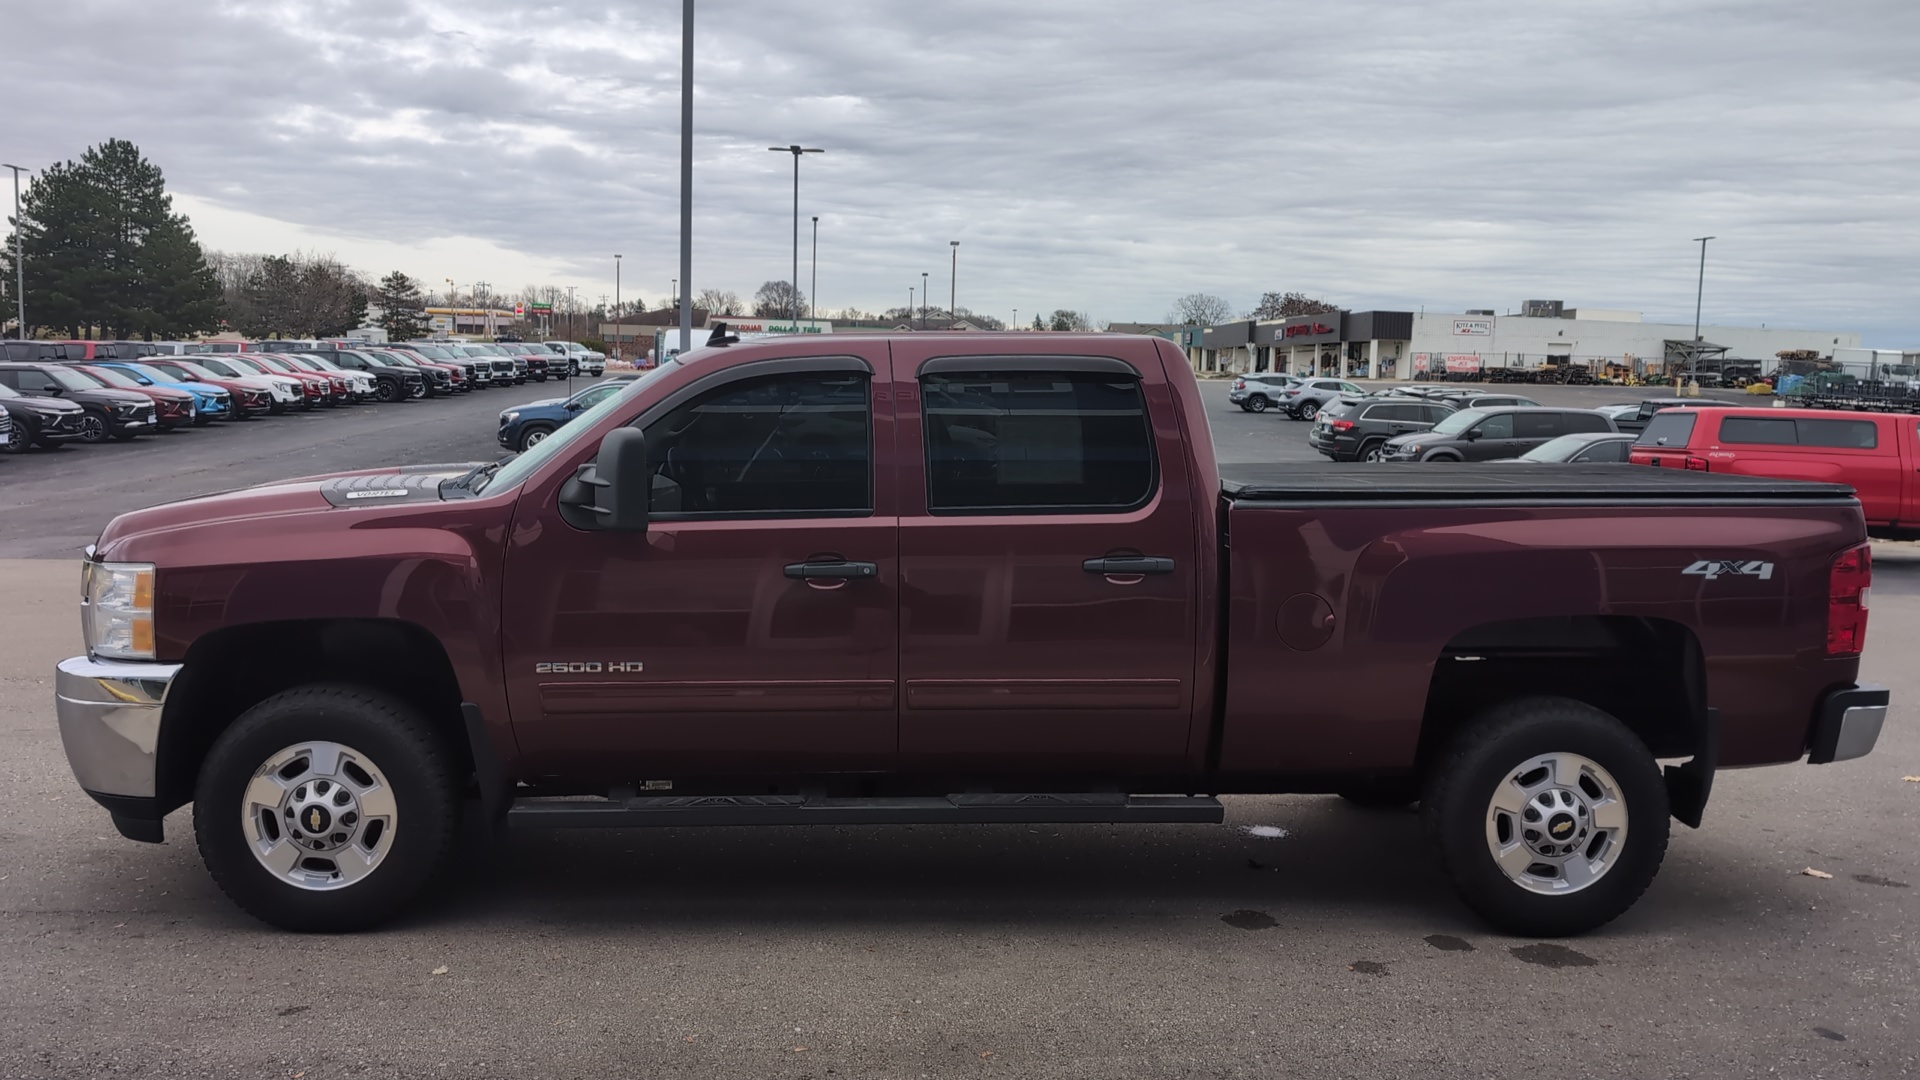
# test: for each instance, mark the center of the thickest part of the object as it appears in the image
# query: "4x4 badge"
(1712, 569)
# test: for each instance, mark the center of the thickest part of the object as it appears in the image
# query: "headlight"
(116, 610)
(509, 417)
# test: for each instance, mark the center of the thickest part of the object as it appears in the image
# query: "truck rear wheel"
(1549, 815)
(326, 808)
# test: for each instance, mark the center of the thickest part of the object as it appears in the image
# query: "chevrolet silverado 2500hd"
(957, 578)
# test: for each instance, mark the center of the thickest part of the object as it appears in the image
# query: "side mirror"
(1470, 434)
(613, 491)
(55, 390)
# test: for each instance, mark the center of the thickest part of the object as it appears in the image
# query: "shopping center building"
(1407, 345)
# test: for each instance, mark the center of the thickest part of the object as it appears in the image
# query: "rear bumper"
(1849, 724)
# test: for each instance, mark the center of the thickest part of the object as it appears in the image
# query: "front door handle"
(1122, 565)
(804, 571)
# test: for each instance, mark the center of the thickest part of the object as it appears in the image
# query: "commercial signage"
(1420, 361)
(1467, 362)
(1307, 330)
(745, 327)
(519, 309)
(1473, 328)
(540, 309)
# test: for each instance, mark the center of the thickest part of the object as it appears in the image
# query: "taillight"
(1847, 586)
(1696, 464)
(1343, 425)
(1239, 384)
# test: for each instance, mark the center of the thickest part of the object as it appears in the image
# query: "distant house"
(1171, 331)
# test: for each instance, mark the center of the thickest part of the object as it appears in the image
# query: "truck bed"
(1497, 484)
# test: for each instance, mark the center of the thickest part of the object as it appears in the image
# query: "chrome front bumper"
(109, 713)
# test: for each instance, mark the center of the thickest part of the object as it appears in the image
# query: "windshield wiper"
(474, 480)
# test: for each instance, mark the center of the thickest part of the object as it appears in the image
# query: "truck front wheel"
(326, 809)
(1549, 815)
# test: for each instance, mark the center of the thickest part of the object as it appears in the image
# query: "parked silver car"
(1305, 399)
(1260, 392)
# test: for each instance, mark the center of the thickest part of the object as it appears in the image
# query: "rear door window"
(1671, 428)
(1587, 421)
(1035, 441)
(1540, 425)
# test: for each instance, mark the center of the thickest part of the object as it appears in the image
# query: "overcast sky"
(1106, 156)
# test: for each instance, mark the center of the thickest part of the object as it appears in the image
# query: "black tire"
(532, 434)
(1451, 459)
(93, 429)
(1463, 780)
(416, 761)
(1372, 450)
(49, 444)
(125, 436)
(1307, 411)
(201, 419)
(1244, 407)
(1258, 403)
(386, 392)
(540, 378)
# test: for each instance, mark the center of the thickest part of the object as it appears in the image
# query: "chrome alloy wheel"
(1556, 824)
(319, 815)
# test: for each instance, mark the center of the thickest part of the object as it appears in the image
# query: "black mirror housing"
(624, 490)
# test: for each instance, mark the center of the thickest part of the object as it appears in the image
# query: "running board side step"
(694, 810)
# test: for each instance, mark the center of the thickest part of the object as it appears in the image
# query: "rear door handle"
(1120, 565)
(855, 570)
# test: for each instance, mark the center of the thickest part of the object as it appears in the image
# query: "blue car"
(212, 402)
(525, 425)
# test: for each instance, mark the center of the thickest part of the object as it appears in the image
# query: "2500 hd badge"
(589, 667)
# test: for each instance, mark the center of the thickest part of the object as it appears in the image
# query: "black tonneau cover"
(1414, 481)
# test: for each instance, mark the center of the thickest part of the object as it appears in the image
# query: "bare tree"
(1275, 305)
(1200, 309)
(1063, 319)
(778, 298)
(719, 301)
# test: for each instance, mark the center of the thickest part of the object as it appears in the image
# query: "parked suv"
(1258, 393)
(116, 414)
(40, 421)
(580, 359)
(525, 426)
(1477, 399)
(1359, 430)
(1305, 398)
(1491, 434)
(392, 382)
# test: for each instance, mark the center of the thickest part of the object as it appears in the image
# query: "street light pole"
(909, 305)
(796, 150)
(923, 299)
(619, 321)
(19, 256)
(686, 170)
(571, 336)
(453, 312)
(813, 287)
(1699, 290)
(953, 283)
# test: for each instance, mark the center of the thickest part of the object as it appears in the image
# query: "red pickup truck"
(1876, 454)
(947, 578)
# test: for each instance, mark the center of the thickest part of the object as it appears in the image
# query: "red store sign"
(1307, 330)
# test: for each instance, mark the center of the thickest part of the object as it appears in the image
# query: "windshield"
(1458, 422)
(431, 352)
(70, 380)
(1560, 449)
(523, 466)
(109, 377)
(145, 376)
(192, 369)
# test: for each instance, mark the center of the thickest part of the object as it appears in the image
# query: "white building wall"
(1523, 341)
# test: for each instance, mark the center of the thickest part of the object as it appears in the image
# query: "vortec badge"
(1713, 569)
(393, 493)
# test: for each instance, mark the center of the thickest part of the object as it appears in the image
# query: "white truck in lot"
(580, 359)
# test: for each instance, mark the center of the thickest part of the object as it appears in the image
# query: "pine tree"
(87, 229)
(403, 309)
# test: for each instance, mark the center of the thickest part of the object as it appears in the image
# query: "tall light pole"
(453, 313)
(1016, 319)
(796, 150)
(478, 288)
(571, 336)
(813, 287)
(909, 305)
(19, 255)
(923, 299)
(686, 170)
(1699, 290)
(953, 283)
(619, 321)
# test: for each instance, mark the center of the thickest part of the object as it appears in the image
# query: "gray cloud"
(1102, 156)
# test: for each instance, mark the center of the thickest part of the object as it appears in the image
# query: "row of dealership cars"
(53, 393)
(1877, 454)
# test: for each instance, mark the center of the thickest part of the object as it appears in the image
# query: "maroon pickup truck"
(957, 578)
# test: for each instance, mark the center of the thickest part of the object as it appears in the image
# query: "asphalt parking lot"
(1323, 945)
